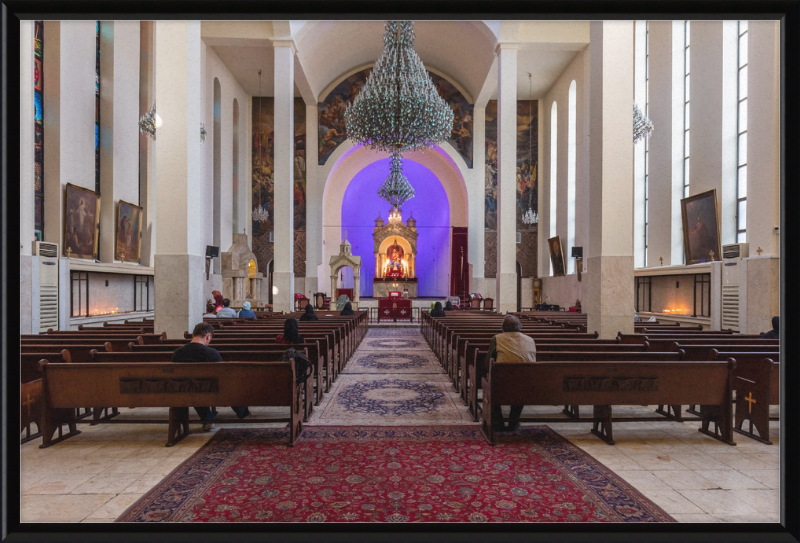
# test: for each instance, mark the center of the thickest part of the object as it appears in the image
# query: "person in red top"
(217, 300)
(291, 335)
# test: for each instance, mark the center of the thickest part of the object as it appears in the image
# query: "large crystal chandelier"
(398, 107)
(396, 189)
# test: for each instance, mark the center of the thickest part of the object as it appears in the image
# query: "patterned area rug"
(393, 362)
(392, 474)
(389, 331)
(394, 344)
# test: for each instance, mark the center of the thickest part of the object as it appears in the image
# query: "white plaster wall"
(476, 183)
(26, 304)
(563, 291)
(213, 67)
(760, 295)
(315, 187)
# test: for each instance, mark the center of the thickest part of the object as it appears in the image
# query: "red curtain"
(459, 262)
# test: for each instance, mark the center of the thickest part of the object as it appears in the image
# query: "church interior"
(463, 171)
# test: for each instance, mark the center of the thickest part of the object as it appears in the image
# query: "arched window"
(571, 164)
(217, 135)
(235, 167)
(553, 171)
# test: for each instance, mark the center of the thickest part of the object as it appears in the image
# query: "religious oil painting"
(81, 219)
(701, 228)
(129, 233)
(556, 255)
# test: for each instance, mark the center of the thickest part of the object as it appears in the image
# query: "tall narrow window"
(686, 89)
(97, 109)
(38, 128)
(553, 171)
(741, 148)
(571, 163)
(646, 144)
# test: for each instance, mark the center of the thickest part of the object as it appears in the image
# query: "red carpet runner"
(392, 474)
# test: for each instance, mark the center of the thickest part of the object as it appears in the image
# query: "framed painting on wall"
(701, 228)
(128, 244)
(556, 255)
(81, 222)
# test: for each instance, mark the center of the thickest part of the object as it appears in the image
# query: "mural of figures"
(527, 187)
(263, 184)
(332, 131)
(38, 128)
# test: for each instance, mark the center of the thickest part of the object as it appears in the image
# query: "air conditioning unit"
(48, 284)
(732, 256)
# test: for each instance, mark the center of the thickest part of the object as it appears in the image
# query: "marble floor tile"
(684, 480)
(695, 518)
(114, 507)
(740, 461)
(643, 480)
(729, 479)
(656, 461)
(106, 483)
(671, 501)
(763, 501)
(60, 508)
(770, 478)
(698, 461)
(57, 484)
(718, 502)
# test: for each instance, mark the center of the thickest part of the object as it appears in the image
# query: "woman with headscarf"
(291, 334)
(309, 315)
(348, 310)
(437, 310)
(246, 313)
(448, 306)
(217, 299)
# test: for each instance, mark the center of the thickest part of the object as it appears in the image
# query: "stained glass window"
(38, 125)
(97, 110)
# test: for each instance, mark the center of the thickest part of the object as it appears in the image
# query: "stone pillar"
(610, 257)
(147, 147)
(713, 117)
(179, 261)
(660, 149)
(283, 275)
(315, 282)
(506, 288)
(119, 131)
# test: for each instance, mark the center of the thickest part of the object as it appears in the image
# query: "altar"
(395, 248)
(394, 308)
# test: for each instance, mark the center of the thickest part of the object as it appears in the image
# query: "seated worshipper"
(448, 306)
(290, 335)
(348, 309)
(343, 299)
(437, 310)
(309, 314)
(217, 300)
(776, 329)
(510, 347)
(209, 311)
(226, 310)
(198, 350)
(246, 313)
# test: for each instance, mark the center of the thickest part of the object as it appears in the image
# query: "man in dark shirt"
(776, 329)
(198, 351)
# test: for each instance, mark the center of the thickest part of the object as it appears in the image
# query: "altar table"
(394, 309)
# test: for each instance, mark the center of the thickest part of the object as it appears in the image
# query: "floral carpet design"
(434, 474)
(393, 362)
(397, 397)
(394, 332)
(394, 343)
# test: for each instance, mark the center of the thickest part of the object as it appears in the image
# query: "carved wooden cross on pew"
(27, 403)
(750, 401)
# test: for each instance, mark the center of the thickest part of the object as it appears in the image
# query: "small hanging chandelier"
(398, 107)
(259, 213)
(642, 126)
(396, 189)
(530, 217)
(147, 122)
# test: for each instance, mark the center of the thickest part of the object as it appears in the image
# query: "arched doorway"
(519, 286)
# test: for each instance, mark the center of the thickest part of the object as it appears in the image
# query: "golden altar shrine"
(395, 248)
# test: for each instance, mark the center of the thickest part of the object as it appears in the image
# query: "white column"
(640, 96)
(610, 258)
(713, 117)
(763, 137)
(283, 276)
(26, 177)
(147, 147)
(26, 138)
(119, 131)
(477, 192)
(179, 262)
(678, 73)
(660, 145)
(314, 191)
(506, 289)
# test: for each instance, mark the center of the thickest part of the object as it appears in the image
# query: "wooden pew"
(757, 386)
(605, 384)
(641, 338)
(177, 386)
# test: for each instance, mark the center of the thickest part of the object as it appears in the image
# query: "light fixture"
(149, 122)
(274, 290)
(203, 133)
(642, 126)
(259, 213)
(398, 106)
(158, 121)
(530, 217)
(396, 189)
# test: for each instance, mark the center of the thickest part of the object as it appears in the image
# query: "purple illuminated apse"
(430, 208)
